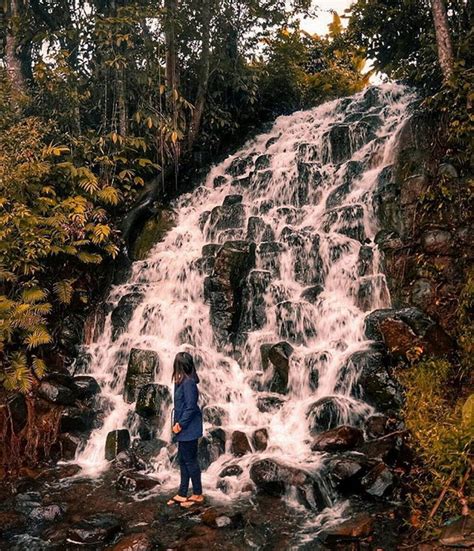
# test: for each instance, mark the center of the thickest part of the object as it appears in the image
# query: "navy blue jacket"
(186, 410)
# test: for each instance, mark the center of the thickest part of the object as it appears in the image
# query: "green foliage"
(440, 423)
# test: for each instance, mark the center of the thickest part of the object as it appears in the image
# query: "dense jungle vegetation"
(104, 102)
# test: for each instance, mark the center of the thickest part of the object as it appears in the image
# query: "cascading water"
(275, 247)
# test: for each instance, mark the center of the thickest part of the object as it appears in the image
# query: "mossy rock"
(153, 231)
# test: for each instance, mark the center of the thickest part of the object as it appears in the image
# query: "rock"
(269, 404)
(56, 393)
(214, 415)
(18, 411)
(123, 312)
(346, 471)
(240, 444)
(131, 481)
(260, 439)
(460, 533)
(77, 419)
(232, 200)
(11, 520)
(373, 380)
(221, 519)
(295, 321)
(437, 242)
(87, 386)
(231, 470)
(116, 442)
(386, 198)
(226, 217)
(47, 513)
(134, 542)
(210, 447)
(258, 230)
(332, 411)
(143, 365)
(71, 333)
(358, 527)
(98, 529)
(239, 165)
(386, 448)
(69, 444)
(308, 266)
(447, 170)
(378, 481)
(262, 162)
(339, 439)
(347, 220)
(311, 294)
(146, 451)
(269, 253)
(376, 426)
(203, 219)
(223, 290)
(153, 399)
(26, 542)
(313, 363)
(253, 301)
(274, 478)
(277, 356)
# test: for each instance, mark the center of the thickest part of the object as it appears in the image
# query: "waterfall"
(276, 247)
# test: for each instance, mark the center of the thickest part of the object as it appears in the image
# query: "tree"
(443, 38)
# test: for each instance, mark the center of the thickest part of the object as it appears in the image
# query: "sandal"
(176, 500)
(192, 501)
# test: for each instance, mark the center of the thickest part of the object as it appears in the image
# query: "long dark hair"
(183, 368)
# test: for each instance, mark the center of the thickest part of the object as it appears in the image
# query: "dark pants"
(188, 462)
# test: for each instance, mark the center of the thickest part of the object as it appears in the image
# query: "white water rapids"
(306, 189)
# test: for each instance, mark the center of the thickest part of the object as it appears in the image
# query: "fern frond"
(64, 290)
(89, 258)
(34, 294)
(39, 367)
(39, 336)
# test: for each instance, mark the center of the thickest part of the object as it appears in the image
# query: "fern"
(39, 367)
(39, 336)
(89, 258)
(34, 294)
(64, 290)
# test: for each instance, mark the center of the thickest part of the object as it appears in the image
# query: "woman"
(187, 428)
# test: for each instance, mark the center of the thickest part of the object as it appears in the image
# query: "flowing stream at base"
(298, 201)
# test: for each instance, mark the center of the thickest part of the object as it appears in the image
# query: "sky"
(319, 25)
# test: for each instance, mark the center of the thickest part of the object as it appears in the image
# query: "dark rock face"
(273, 478)
(96, 530)
(210, 447)
(378, 481)
(214, 415)
(87, 386)
(356, 528)
(223, 290)
(330, 412)
(258, 230)
(77, 419)
(269, 403)
(57, 393)
(240, 444)
(295, 321)
(231, 470)
(152, 400)
(260, 439)
(123, 312)
(253, 300)
(117, 441)
(142, 367)
(338, 439)
(374, 382)
(311, 294)
(146, 451)
(131, 481)
(376, 426)
(226, 217)
(313, 363)
(348, 220)
(276, 357)
(307, 261)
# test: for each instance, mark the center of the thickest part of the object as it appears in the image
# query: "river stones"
(240, 444)
(87, 386)
(143, 365)
(269, 403)
(97, 529)
(57, 393)
(274, 478)
(378, 481)
(123, 312)
(18, 411)
(117, 441)
(210, 447)
(152, 400)
(332, 411)
(77, 419)
(260, 439)
(258, 230)
(131, 481)
(231, 470)
(275, 361)
(253, 300)
(339, 439)
(215, 415)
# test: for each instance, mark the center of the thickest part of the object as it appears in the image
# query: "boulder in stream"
(331, 411)
(123, 312)
(117, 441)
(143, 365)
(87, 386)
(210, 447)
(339, 439)
(276, 358)
(152, 400)
(96, 530)
(260, 439)
(240, 444)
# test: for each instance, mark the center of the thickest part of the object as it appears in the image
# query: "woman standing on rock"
(187, 428)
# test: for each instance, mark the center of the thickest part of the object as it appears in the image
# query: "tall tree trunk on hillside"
(443, 38)
(13, 60)
(203, 74)
(170, 39)
(122, 111)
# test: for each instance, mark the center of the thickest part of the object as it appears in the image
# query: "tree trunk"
(121, 103)
(170, 38)
(443, 38)
(13, 61)
(203, 74)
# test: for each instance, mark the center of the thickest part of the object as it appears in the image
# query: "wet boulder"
(134, 542)
(304, 244)
(57, 393)
(87, 387)
(331, 411)
(378, 481)
(347, 220)
(215, 415)
(77, 419)
(226, 217)
(269, 253)
(276, 361)
(117, 441)
(253, 300)
(223, 290)
(47, 513)
(365, 261)
(210, 447)
(358, 527)
(262, 162)
(69, 443)
(314, 362)
(296, 321)
(230, 200)
(258, 230)
(274, 478)
(131, 481)
(231, 470)
(240, 444)
(123, 312)
(269, 403)
(239, 166)
(311, 294)
(152, 400)
(143, 365)
(146, 451)
(339, 439)
(96, 530)
(260, 439)
(389, 448)
(373, 380)
(377, 425)
(346, 470)
(386, 198)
